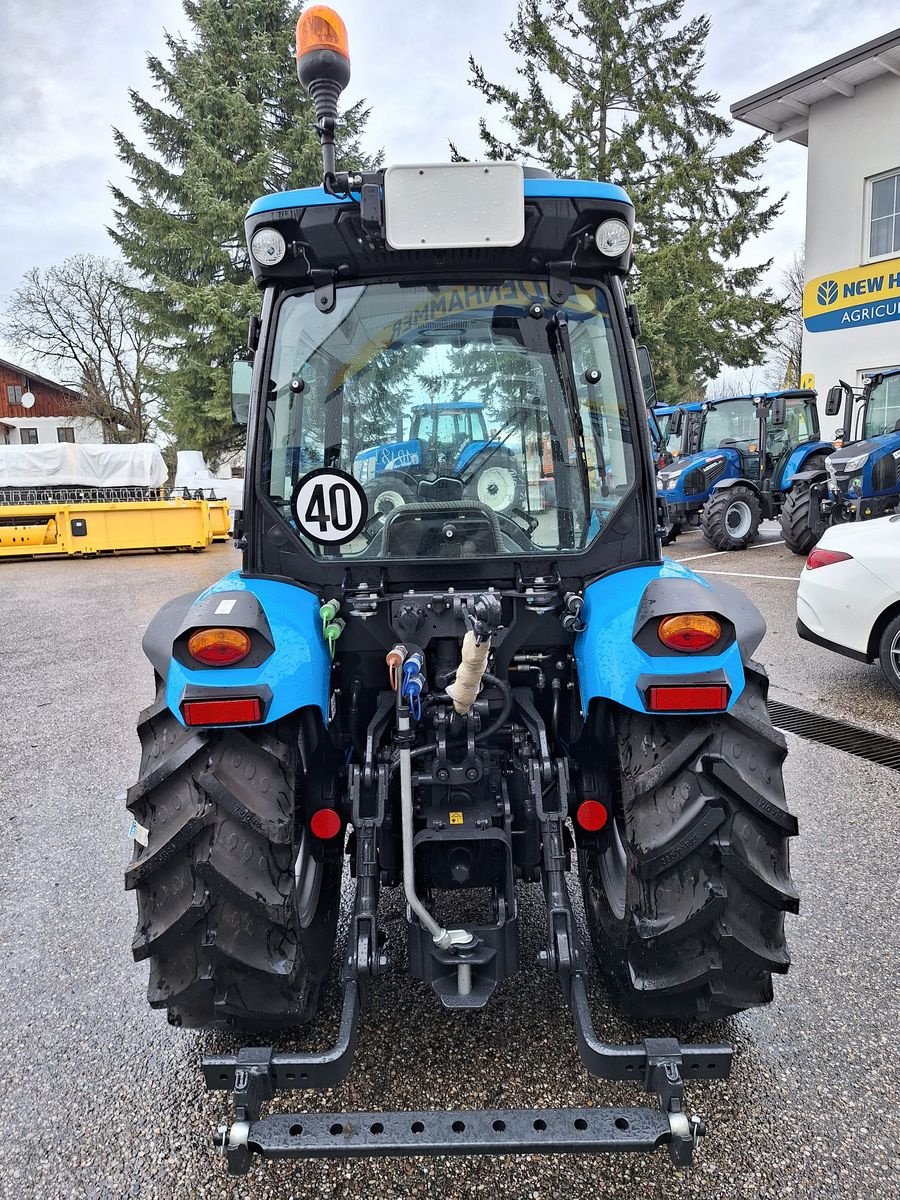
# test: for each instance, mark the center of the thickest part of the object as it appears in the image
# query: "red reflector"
(237, 711)
(591, 815)
(688, 698)
(824, 558)
(324, 824)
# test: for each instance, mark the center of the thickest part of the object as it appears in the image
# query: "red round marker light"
(591, 815)
(325, 824)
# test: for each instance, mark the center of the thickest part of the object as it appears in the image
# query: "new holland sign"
(849, 299)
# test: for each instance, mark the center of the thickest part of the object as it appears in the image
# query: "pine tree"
(233, 123)
(634, 113)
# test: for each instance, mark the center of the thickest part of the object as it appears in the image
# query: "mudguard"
(292, 671)
(611, 664)
(739, 481)
(799, 456)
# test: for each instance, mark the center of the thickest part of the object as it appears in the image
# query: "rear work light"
(689, 631)
(824, 558)
(241, 710)
(688, 697)
(219, 647)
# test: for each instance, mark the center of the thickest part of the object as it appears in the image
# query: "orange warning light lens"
(320, 28)
(689, 631)
(219, 647)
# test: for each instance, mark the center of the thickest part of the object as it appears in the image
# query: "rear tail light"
(689, 631)
(591, 815)
(325, 824)
(241, 710)
(824, 558)
(219, 647)
(688, 697)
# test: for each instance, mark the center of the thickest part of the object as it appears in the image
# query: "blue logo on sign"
(827, 292)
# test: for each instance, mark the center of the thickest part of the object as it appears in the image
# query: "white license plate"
(454, 206)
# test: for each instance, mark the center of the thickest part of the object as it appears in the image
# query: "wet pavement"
(104, 1100)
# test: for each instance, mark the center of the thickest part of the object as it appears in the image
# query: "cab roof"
(574, 189)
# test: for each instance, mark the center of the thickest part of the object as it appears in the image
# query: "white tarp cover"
(191, 472)
(82, 464)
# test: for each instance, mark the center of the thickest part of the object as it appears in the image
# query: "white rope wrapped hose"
(464, 689)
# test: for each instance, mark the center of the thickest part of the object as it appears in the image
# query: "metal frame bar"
(660, 1064)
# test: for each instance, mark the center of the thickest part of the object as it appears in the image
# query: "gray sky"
(66, 70)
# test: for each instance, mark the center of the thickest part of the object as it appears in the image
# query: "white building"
(847, 112)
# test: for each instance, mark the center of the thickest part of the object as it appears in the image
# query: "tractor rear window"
(446, 421)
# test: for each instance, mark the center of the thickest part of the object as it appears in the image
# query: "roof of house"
(27, 371)
(783, 108)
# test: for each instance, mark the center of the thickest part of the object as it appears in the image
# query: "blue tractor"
(446, 438)
(470, 705)
(750, 448)
(860, 479)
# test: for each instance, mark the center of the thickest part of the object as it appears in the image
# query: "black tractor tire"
(236, 916)
(801, 520)
(686, 887)
(889, 653)
(388, 492)
(498, 485)
(730, 518)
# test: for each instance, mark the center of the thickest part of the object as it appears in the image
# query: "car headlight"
(268, 247)
(613, 237)
(854, 464)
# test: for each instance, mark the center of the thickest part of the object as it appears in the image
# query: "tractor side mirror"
(648, 383)
(241, 375)
(778, 410)
(834, 400)
(677, 422)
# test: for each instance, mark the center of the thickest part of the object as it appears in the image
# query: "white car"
(849, 595)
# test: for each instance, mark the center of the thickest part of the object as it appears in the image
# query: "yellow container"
(105, 528)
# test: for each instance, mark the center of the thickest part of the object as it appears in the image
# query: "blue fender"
(799, 456)
(493, 450)
(297, 672)
(610, 663)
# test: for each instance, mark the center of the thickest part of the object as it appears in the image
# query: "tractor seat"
(441, 529)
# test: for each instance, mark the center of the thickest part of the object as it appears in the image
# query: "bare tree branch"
(81, 318)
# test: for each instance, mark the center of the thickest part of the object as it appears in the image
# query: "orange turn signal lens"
(320, 28)
(689, 631)
(219, 647)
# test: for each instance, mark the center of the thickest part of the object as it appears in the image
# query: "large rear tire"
(730, 518)
(801, 520)
(235, 913)
(686, 888)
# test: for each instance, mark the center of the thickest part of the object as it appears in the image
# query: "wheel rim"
(496, 488)
(386, 501)
(738, 518)
(307, 883)
(614, 870)
(894, 654)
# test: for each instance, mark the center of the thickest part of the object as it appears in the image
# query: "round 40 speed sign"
(330, 507)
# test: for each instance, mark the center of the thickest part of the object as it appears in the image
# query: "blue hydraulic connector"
(414, 682)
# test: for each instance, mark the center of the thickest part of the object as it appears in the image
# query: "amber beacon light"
(323, 67)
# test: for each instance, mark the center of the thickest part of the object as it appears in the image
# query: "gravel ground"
(106, 1101)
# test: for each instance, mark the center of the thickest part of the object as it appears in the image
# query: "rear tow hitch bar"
(659, 1065)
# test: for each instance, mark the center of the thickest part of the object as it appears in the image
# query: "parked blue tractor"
(468, 702)
(750, 449)
(859, 480)
(445, 439)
